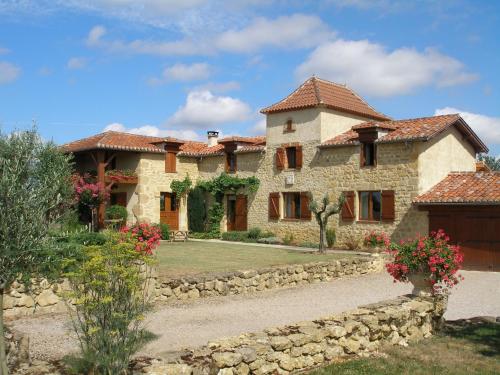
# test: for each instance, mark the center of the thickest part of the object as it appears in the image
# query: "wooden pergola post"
(101, 167)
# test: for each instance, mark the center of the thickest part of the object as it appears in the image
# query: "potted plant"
(430, 263)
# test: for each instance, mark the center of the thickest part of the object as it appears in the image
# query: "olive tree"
(35, 189)
(322, 212)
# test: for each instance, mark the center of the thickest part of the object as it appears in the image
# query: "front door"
(169, 210)
(236, 212)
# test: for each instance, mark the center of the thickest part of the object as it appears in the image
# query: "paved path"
(195, 323)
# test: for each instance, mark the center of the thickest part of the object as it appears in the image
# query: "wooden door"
(241, 213)
(169, 210)
(475, 229)
(231, 212)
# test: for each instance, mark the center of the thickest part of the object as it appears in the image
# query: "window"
(291, 157)
(168, 202)
(289, 126)
(296, 206)
(370, 207)
(368, 154)
(230, 162)
(170, 162)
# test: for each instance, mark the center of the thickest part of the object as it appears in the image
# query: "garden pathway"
(195, 323)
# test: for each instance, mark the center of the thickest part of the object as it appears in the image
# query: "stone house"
(322, 138)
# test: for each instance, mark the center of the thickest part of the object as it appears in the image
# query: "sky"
(179, 68)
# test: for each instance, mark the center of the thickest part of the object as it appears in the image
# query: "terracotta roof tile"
(315, 92)
(250, 148)
(423, 128)
(236, 138)
(115, 141)
(464, 188)
(196, 149)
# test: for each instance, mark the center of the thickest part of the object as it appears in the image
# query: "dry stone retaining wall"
(305, 345)
(48, 297)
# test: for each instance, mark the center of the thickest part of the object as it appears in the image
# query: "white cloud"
(75, 63)
(8, 72)
(95, 38)
(4, 51)
(288, 32)
(203, 109)
(373, 70)
(45, 71)
(486, 127)
(154, 131)
(183, 72)
(218, 87)
(260, 127)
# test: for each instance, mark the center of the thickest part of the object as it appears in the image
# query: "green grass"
(459, 350)
(194, 257)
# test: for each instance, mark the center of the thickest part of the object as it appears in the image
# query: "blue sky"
(165, 67)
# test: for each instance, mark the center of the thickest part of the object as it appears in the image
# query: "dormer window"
(289, 127)
(230, 162)
(368, 154)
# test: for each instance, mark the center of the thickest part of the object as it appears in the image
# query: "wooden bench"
(179, 235)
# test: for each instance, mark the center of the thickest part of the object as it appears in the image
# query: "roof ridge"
(288, 96)
(426, 117)
(365, 102)
(316, 90)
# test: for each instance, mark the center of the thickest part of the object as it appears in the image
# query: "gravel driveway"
(195, 323)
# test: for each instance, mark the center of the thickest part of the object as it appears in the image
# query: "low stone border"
(48, 297)
(305, 345)
(243, 282)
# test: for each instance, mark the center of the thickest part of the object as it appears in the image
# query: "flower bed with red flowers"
(374, 239)
(147, 236)
(433, 255)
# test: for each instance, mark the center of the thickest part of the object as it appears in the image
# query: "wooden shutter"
(298, 157)
(348, 207)
(274, 206)
(280, 158)
(305, 212)
(170, 162)
(388, 210)
(241, 212)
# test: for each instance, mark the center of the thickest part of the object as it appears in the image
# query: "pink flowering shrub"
(374, 239)
(433, 255)
(147, 236)
(88, 192)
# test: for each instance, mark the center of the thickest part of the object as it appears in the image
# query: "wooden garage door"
(475, 229)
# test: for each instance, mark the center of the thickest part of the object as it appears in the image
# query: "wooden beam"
(110, 159)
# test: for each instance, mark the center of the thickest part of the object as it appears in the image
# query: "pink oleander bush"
(374, 239)
(147, 236)
(432, 255)
(88, 192)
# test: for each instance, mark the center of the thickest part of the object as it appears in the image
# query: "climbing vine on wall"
(181, 187)
(224, 183)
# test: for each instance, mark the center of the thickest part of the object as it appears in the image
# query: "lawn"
(459, 350)
(194, 257)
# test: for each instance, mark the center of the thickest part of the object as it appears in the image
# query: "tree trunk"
(321, 238)
(3, 357)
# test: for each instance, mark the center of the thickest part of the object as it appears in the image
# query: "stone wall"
(49, 298)
(16, 348)
(243, 282)
(309, 344)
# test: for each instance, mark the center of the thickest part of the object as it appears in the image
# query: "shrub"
(235, 236)
(215, 214)
(352, 241)
(254, 233)
(431, 255)
(147, 236)
(117, 212)
(110, 290)
(288, 239)
(374, 239)
(267, 234)
(331, 236)
(88, 238)
(165, 231)
(204, 235)
(197, 210)
(270, 240)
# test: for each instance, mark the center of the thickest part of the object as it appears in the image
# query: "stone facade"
(302, 346)
(49, 298)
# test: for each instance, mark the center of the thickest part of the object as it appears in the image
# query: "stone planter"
(422, 286)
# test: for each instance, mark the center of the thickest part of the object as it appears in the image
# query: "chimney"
(212, 138)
